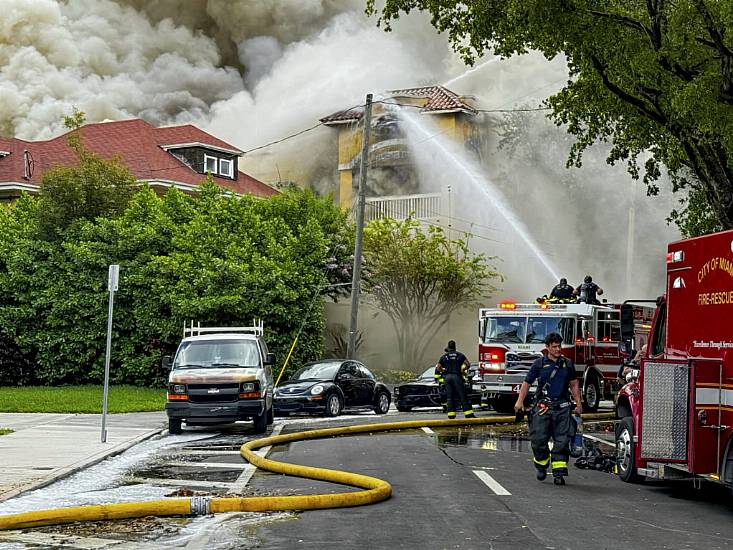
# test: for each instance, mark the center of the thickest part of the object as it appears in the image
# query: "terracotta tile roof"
(439, 99)
(137, 143)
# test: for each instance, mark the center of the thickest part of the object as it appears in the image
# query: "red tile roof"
(439, 99)
(137, 143)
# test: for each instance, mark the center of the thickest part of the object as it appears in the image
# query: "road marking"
(225, 465)
(238, 486)
(491, 483)
(427, 430)
(181, 482)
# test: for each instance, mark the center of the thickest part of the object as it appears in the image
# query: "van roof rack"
(257, 328)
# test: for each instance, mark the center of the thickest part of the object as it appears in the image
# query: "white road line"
(180, 482)
(241, 482)
(427, 430)
(491, 483)
(224, 465)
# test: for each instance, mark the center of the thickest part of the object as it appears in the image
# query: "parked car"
(424, 391)
(330, 386)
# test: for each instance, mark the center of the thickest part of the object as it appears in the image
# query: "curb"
(82, 464)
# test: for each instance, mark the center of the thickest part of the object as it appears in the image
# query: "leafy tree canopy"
(419, 278)
(655, 77)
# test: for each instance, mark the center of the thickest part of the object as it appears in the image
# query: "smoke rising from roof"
(254, 71)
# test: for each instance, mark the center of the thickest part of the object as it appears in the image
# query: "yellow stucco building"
(391, 171)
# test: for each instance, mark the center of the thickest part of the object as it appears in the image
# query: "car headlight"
(178, 388)
(248, 387)
(317, 390)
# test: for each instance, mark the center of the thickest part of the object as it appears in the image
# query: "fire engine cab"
(676, 417)
(512, 336)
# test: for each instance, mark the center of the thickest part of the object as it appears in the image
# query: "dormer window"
(211, 164)
(226, 168)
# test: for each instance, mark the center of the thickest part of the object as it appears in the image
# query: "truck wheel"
(625, 451)
(591, 395)
(260, 422)
(270, 416)
(174, 426)
(381, 406)
(333, 405)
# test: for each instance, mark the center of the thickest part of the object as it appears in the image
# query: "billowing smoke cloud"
(255, 71)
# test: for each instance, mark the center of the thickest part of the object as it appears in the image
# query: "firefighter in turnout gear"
(453, 367)
(551, 409)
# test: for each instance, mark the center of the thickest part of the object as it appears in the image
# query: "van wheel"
(592, 395)
(260, 422)
(174, 426)
(625, 451)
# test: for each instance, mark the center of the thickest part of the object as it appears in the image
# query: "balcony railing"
(422, 207)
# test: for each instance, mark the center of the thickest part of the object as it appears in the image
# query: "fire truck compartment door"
(664, 410)
(709, 397)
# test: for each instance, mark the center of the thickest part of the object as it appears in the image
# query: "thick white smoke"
(254, 71)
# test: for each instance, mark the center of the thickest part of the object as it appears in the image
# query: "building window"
(210, 164)
(226, 168)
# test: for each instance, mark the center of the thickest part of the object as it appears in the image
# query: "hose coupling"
(200, 506)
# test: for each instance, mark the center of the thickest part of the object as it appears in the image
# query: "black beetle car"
(329, 386)
(424, 391)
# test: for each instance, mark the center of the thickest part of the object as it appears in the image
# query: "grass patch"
(5, 431)
(80, 399)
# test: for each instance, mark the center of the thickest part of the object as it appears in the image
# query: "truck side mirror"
(165, 362)
(270, 359)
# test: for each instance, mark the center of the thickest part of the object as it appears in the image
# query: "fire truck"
(511, 337)
(676, 416)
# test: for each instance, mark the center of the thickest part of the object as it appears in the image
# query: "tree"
(653, 76)
(96, 187)
(419, 278)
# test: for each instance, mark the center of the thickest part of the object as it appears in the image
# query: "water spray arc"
(471, 173)
(470, 71)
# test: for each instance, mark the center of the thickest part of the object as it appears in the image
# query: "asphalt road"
(452, 489)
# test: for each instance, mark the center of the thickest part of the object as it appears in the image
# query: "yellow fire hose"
(376, 489)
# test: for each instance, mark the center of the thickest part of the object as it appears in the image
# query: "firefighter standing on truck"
(453, 367)
(551, 409)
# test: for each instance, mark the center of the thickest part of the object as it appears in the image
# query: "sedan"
(330, 386)
(425, 391)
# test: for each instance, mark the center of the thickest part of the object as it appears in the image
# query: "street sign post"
(112, 285)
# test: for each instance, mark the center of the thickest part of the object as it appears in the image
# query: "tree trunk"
(710, 164)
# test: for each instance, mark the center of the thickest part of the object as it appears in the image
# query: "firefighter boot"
(541, 474)
(558, 480)
(469, 414)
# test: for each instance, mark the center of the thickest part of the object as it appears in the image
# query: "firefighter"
(441, 386)
(562, 291)
(551, 409)
(587, 291)
(453, 367)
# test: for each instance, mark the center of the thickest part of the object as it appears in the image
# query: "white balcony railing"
(422, 207)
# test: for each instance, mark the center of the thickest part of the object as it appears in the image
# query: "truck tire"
(625, 451)
(591, 395)
(270, 416)
(174, 426)
(260, 422)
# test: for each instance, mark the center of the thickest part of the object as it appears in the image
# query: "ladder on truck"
(257, 328)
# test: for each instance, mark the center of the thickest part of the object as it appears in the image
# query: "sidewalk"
(46, 447)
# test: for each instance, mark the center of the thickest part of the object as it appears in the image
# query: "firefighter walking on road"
(453, 368)
(550, 416)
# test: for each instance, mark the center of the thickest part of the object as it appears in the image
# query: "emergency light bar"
(676, 256)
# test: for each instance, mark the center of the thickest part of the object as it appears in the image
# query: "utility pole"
(356, 275)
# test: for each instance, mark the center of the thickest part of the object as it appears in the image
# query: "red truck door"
(707, 397)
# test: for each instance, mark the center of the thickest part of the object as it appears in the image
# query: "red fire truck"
(677, 416)
(512, 335)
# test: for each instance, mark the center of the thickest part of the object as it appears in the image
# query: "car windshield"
(539, 327)
(429, 372)
(217, 353)
(505, 329)
(318, 371)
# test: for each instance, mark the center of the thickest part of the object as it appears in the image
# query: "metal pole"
(114, 271)
(356, 277)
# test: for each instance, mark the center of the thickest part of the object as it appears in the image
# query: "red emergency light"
(507, 305)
